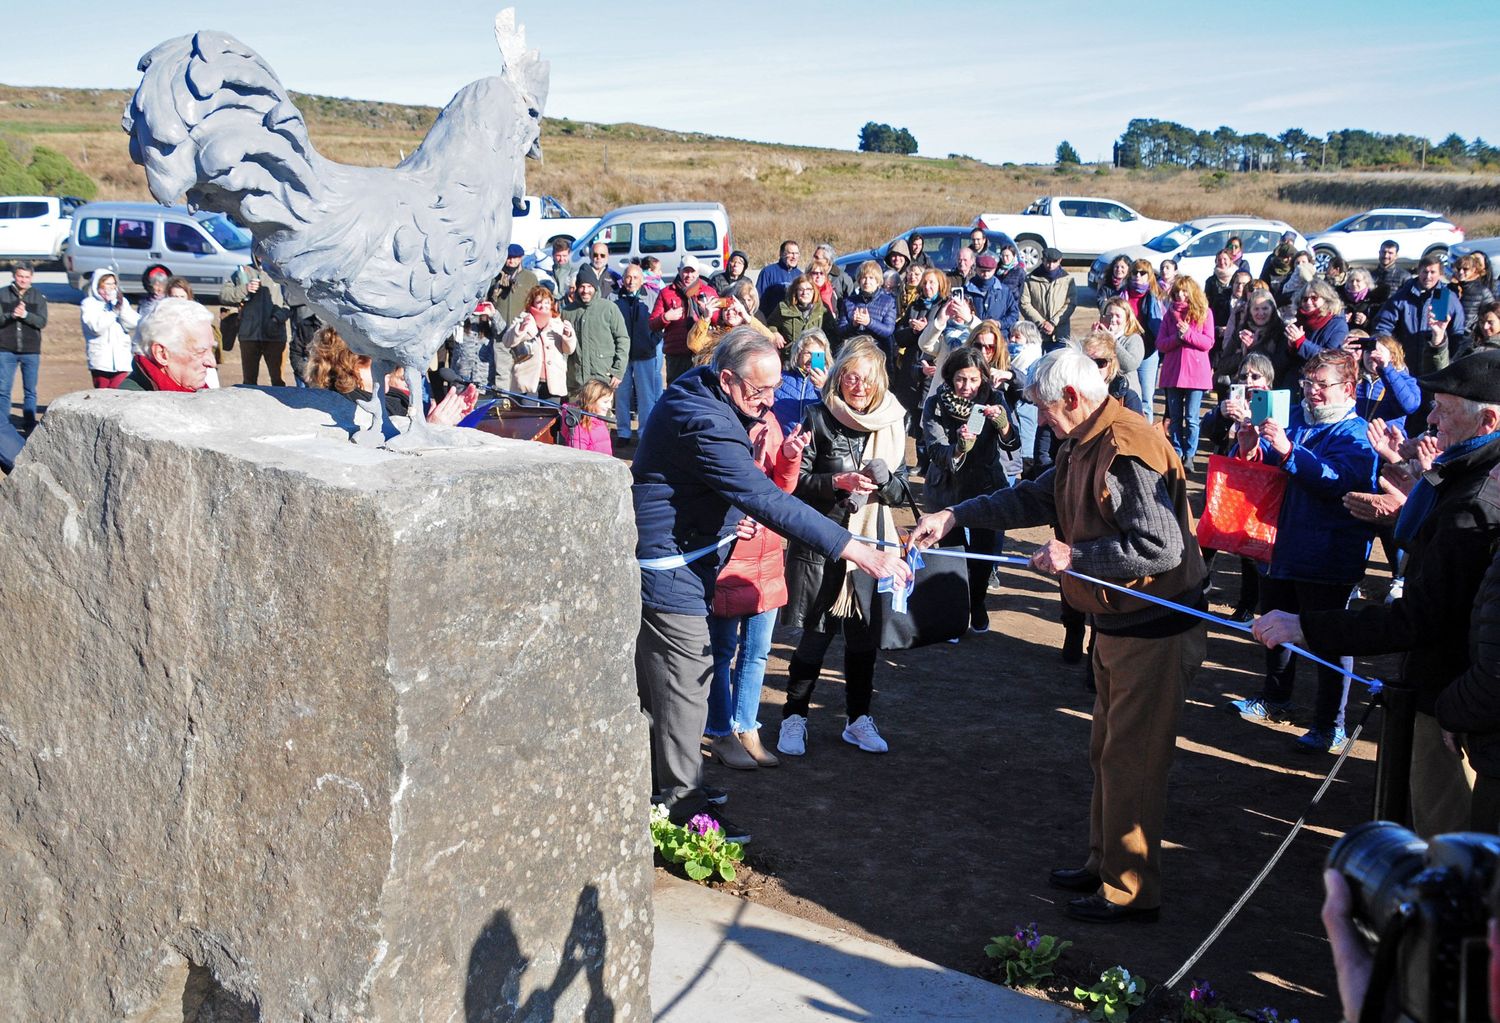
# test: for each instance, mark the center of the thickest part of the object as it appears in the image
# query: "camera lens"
(1377, 859)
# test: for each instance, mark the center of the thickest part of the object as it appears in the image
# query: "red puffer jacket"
(754, 578)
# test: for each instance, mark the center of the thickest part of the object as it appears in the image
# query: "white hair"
(1066, 367)
(168, 323)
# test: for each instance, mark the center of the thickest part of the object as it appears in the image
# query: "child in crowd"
(586, 432)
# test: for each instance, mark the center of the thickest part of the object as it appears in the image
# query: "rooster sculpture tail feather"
(211, 120)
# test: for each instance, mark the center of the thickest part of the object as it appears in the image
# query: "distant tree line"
(1148, 142)
(882, 138)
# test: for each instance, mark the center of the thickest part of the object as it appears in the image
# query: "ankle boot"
(758, 753)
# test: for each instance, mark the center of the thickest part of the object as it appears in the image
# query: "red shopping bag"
(1241, 505)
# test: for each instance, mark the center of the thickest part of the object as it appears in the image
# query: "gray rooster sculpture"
(393, 258)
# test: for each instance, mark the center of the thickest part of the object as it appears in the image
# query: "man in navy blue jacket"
(642, 380)
(696, 481)
(991, 298)
(1423, 314)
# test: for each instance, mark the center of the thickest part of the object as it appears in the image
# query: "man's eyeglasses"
(753, 393)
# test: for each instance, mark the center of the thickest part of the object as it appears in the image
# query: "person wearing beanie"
(603, 349)
(736, 269)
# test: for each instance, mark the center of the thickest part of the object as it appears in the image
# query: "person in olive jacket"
(23, 314)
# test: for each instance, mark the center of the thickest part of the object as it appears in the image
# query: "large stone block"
(294, 730)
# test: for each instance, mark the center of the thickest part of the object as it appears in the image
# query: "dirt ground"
(946, 841)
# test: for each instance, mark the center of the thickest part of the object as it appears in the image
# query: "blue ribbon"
(1373, 684)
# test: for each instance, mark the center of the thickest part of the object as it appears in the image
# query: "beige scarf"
(886, 425)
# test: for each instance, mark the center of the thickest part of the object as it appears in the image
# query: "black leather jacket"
(812, 580)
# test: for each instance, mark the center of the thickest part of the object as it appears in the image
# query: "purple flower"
(703, 824)
(1202, 991)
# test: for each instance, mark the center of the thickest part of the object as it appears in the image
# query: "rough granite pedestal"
(292, 730)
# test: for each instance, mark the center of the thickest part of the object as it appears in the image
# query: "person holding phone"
(1321, 548)
(967, 427)
(801, 385)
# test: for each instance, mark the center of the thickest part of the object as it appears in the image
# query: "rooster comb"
(523, 68)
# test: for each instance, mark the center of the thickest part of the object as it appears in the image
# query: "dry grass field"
(851, 199)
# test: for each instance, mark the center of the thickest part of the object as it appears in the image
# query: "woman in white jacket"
(540, 342)
(108, 321)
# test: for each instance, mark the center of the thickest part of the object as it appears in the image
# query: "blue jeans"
(1182, 422)
(1026, 426)
(29, 364)
(734, 691)
(1148, 373)
(643, 381)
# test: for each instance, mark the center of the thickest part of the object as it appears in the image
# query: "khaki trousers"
(1142, 684)
(1442, 782)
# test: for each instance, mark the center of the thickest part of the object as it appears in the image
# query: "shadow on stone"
(204, 1000)
(497, 966)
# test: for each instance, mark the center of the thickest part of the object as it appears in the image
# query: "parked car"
(941, 244)
(1194, 243)
(1078, 226)
(35, 226)
(205, 249)
(667, 230)
(1357, 239)
(537, 220)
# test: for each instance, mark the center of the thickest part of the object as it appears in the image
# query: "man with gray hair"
(843, 284)
(697, 485)
(174, 348)
(1117, 499)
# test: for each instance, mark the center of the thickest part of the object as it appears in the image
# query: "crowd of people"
(782, 403)
(1020, 421)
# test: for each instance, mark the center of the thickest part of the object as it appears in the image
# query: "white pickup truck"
(1078, 226)
(35, 226)
(537, 219)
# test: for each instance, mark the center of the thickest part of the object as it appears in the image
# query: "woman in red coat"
(750, 588)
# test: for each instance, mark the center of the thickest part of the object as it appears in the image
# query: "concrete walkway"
(728, 960)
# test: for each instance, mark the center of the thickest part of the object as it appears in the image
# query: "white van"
(204, 249)
(667, 230)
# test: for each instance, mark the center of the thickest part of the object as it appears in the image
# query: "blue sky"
(996, 80)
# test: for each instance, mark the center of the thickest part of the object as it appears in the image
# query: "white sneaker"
(793, 738)
(862, 732)
(1398, 586)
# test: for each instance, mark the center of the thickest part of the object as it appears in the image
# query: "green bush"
(38, 170)
(56, 175)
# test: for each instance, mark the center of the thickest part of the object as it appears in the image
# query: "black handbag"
(937, 609)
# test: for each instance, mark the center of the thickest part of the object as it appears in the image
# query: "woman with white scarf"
(858, 424)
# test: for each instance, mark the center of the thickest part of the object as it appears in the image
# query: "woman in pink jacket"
(1185, 341)
(750, 588)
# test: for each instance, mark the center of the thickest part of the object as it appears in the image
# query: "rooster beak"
(535, 152)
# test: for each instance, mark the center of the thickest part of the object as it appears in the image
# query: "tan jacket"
(550, 349)
(1044, 301)
(1083, 505)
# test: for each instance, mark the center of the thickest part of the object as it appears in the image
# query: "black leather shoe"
(1096, 909)
(1074, 879)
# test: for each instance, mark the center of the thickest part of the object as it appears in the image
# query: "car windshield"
(1169, 240)
(226, 232)
(1343, 223)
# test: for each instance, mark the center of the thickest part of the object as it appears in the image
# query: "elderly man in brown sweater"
(1117, 499)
